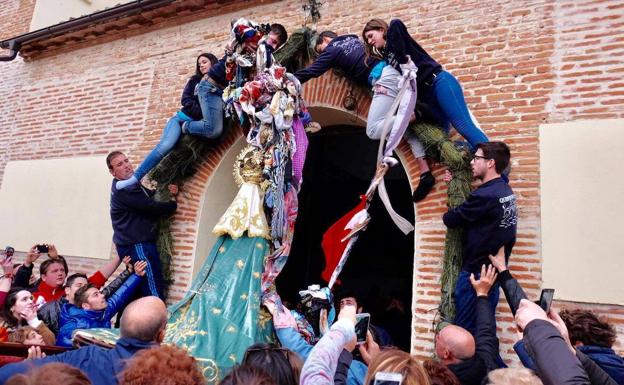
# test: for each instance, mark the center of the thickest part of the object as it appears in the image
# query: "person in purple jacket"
(191, 110)
(489, 220)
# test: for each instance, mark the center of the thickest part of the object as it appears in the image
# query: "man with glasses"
(345, 52)
(488, 218)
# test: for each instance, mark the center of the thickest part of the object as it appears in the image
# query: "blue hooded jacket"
(607, 360)
(73, 317)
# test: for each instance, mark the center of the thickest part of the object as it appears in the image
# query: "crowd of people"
(569, 347)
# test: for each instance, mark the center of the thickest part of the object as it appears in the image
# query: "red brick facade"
(521, 64)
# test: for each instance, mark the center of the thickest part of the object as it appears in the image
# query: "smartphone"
(546, 299)
(388, 378)
(362, 321)
(42, 248)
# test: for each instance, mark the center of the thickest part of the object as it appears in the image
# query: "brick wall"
(521, 64)
(15, 17)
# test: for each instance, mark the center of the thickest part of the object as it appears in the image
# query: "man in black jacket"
(134, 214)
(488, 218)
(471, 359)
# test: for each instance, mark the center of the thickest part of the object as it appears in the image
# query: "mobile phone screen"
(546, 299)
(388, 378)
(362, 321)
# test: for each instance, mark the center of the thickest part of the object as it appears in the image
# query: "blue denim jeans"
(153, 282)
(211, 103)
(168, 139)
(466, 300)
(446, 100)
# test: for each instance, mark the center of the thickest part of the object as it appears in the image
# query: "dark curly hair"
(165, 364)
(587, 328)
(439, 374)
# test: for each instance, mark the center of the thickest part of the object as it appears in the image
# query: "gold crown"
(248, 166)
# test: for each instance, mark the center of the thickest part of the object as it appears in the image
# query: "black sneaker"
(427, 181)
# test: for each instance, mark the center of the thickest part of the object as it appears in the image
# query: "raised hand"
(139, 268)
(128, 262)
(7, 266)
(448, 176)
(52, 252)
(483, 285)
(173, 189)
(32, 256)
(498, 260)
(527, 312)
(369, 349)
(34, 352)
(29, 313)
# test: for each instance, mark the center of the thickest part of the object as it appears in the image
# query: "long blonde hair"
(373, 25)
(513, 376)
(394, 360)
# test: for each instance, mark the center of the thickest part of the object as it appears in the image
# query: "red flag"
(332, 245)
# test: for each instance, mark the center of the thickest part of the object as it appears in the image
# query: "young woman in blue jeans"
(437, 88)
(201, 115)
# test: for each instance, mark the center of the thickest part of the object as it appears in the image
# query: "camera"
(43, 248)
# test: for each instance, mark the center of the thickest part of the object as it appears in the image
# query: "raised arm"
(320, 367)
(123, 294)
(555, 360)
(140, 201)
(512, 289)
(485, 336)
(322, 64)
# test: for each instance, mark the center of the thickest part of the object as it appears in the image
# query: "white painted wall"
(582, 193)
(220, 191)
(62, 201)
(51, 12)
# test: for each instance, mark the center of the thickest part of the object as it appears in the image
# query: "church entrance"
(339, 167)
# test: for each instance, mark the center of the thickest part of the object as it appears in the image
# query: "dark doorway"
(339, 167)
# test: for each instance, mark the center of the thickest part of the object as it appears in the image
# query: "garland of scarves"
(190, 151)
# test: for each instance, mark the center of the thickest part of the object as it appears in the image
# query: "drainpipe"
(137, 6)
(13, 48)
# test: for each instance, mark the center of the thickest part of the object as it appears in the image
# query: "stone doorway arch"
(199, 208)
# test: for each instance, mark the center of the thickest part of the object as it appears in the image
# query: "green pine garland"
(179, 165)
(443, 150)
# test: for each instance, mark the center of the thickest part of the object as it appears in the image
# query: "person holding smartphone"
(7, 277)
(320, 366)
